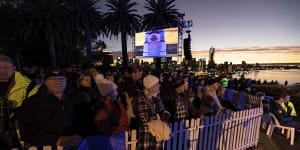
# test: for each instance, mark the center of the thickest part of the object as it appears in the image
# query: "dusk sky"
(239, 26)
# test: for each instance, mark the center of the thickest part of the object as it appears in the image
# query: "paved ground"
(284, 143)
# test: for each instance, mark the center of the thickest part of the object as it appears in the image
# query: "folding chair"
(275, 124)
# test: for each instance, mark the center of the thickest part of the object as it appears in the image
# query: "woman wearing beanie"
(110, 114)
(149, 107)
(211, 104)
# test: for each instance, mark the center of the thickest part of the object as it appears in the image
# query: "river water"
(291, 75)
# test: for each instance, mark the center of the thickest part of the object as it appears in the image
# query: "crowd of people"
(62, 106)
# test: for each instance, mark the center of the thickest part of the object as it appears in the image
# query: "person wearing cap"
(110, 114)
(56, 115)
(211, 104)
(180, 103)
(281, 114)
(288, 106)
(14, 88)
(147, 107)
(277, 110)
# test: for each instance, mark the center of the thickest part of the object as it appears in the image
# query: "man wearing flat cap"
(53, 116)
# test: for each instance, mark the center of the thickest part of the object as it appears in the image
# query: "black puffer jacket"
(44, 118)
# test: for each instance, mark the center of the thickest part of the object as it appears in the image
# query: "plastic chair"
(275, 124)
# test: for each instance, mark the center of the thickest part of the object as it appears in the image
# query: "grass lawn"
(265, 143)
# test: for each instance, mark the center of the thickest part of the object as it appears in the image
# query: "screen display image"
(157, 43)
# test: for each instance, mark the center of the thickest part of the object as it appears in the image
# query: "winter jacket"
(44, 118)
(17, 93)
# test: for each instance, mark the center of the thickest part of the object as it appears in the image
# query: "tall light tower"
(187, 46)
(183, 27)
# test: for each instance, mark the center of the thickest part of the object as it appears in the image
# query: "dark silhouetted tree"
(44, 16)
(162, 14)
(84, 16)
(122, 18)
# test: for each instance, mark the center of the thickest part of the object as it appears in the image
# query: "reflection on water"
(291, 75)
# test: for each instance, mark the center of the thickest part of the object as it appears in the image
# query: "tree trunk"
(51, 48)
(124, 49)
(88, 43)
(157, 62)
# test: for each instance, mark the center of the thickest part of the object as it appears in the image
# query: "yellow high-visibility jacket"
(18, 89)
(291, 105)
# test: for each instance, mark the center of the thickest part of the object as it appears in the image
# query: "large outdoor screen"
(156, 43)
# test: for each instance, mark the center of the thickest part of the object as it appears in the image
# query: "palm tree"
(8, 26)
(84, 16)
(43, 17)
(121, 18)
(162, 14)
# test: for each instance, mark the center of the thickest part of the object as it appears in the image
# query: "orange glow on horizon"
(250, 55)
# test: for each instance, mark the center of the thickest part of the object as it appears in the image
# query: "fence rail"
(228, 131)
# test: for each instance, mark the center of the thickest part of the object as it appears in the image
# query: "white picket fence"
(228, 131)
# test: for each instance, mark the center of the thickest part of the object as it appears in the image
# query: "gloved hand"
(165, 116)
(70, 142)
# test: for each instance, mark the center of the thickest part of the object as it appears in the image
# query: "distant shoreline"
(274, 90)
(291, 75)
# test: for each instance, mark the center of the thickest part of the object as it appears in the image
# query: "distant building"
(230, 67)
(103, 57)
(211, 54)
(211, 62)
(202, 64)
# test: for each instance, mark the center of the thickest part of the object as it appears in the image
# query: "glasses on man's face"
(57, 78)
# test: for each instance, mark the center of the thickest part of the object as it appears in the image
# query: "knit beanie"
(149, 81)
(106, 87)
